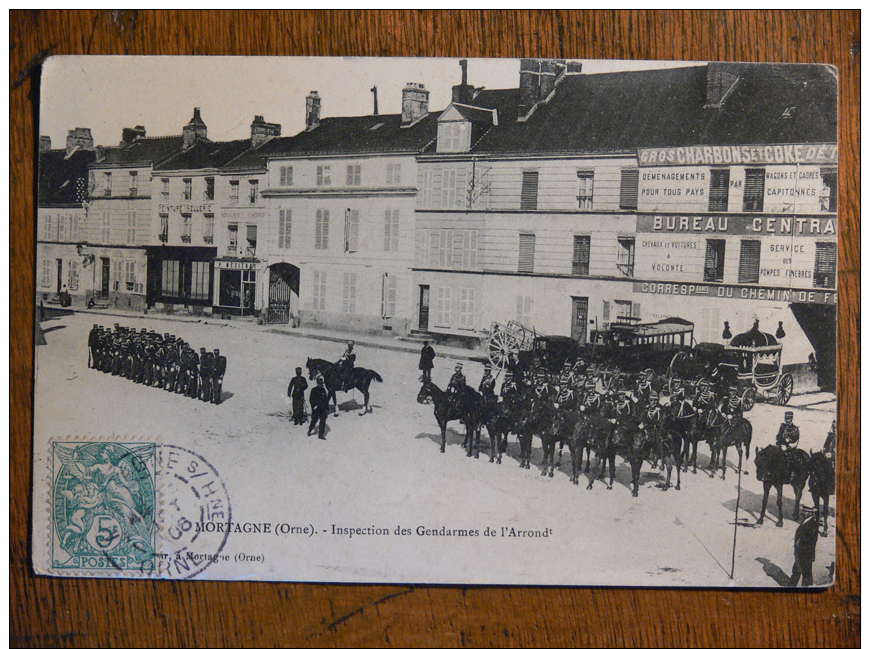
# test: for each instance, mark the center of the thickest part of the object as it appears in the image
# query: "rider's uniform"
(732, 407)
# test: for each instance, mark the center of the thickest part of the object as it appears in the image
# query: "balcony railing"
(185, 238)
(163, 237)
(208, 239)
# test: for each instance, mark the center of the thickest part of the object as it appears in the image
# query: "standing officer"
(427, 358)
(319, 400)
(218, 370)
(206, 364)
(296, 392)
(805, 538)
(92, 344)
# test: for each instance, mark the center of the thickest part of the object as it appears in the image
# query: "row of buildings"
(567, 203)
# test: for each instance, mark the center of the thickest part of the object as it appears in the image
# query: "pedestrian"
(805, 538)
(218, 369)
(92, 343)
(205, 371)
(296, 392)
(319, 400)
(427, 357)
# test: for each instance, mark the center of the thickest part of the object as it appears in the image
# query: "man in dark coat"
(804, 551)
(206, 363)
(92, 343)
(319, 400)
(427, 356)
(218, 369)
(296, 392)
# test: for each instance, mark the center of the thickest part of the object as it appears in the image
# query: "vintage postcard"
(438, 321)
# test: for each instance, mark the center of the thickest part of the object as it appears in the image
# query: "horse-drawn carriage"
(752, 361)
(530, 347)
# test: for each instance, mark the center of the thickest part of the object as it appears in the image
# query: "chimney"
(81, 138)
(462, 94)
(261, 131)
(721, 80)
(312, 111)
(415, 103)
(375, 93)
(194, 130)
(130, 135)
(574, 67)
(530, 82)
(547, 78)
(44, 143)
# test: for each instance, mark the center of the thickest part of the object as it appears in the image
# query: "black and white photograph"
(436, 321)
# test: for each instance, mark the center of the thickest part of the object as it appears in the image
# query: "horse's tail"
(376, 376)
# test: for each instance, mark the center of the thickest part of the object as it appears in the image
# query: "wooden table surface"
(68, 612)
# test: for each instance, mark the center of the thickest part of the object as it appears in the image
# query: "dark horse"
(535, 417)
(468, 410)
(738, 434)
(776, 467)
(360, 379)
(822, 484)
(563, 418)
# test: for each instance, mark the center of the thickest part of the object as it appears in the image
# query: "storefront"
(180, 277)
(237, 292)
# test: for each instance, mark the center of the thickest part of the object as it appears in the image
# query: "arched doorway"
(283, 293)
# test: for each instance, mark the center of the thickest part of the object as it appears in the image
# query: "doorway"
(104, 277)
(423, 321)
(579, 318)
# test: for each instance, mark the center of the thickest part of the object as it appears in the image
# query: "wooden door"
(579, 318)
(423, 323)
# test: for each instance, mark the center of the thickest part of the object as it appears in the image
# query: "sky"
(109, 93)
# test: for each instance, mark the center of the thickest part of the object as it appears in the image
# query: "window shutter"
(605, 311)
(714, 261)
(527, 253)
(580, 260)
(825, 271)
(628, 189)
(529, 192)
(281, 222)
(469, 259)
(719, 181)
(458, 244)
(750, 261)
(753, 190)
(635, 311)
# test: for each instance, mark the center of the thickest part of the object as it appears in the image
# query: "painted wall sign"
(185, 208)
(801, 226)
(689, 289)
(739, 155)
(236, 265)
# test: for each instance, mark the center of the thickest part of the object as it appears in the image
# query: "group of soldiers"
(162, 361)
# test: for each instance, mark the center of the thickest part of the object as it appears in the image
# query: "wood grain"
(70, 612)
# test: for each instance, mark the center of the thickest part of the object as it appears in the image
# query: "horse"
(499, 419)
(732, 434)
(360, 379)
(447, 410)
(668, 440)
(776, 467)
(534, 416)
(595, 432)
(562, 419)
(822, 484)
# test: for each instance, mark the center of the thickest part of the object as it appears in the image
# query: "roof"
(145, 150)
(754, 338)
(63, 179)
(355, 135)
(203, 154)
(624, 111)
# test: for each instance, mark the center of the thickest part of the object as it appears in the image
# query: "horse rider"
(456, 385)
(487, 384)
(732, 407)
(830, 446)
(644, 391)
(542, 383)
(624, 407)
(591, 399)
(345, 365)
(509, 388)
(789, 435)
(566, 374)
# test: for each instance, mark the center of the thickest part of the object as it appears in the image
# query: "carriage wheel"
(786, 386)
(748, 399)
(501, 345)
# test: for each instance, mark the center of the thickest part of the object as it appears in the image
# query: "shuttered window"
(625, 256)
(200, 280)
(348, 298)
(825, 269)
(321, 230)
(318, 301)
(284, 228)
(104, 230)
(753, 190)
(46, 272)
(286, 179)
(391, 230)
(714, 261)
(628, 189)
(469, 249)
(442, 306)
(388, 295)
(750, 261)
(131, 227)
(529, 192)
(251, 249)
(580, 259)
(527, 253)
(605, 311)
(74, 275)
(351, 231)
(585, 188)
(719, 180)
(467, 305)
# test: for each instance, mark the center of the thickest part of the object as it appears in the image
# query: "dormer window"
(454, 137)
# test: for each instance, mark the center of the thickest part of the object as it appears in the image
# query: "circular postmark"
(196, 515)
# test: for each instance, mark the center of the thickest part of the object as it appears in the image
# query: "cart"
(532, 349)
(507, 339)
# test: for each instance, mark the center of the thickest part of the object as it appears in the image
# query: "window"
(580, 259)
(524, 310)
(134, 183)
(208, 195)
(185, 227)
(164, 187)
(453, 136)
(115, 275)
(469, 250)
(467, 306)
(719, 182)
(234, 191)
(714, 261)
(828, 198)
(625, 256)
(623, 312)
(200, 280)
(348, 293)
(46, 272)
(449, 189)
(825, 269)
(284, 223)
(286, 176)
(627, 190)
(353, 175)
(171, 278)
(254, 188)
(391, 230)
(107, 175)
(750, 261)
(323, 176)
(321, 230)
(318, 301)
(61, 229)
(388, 297)
(104, 229)
(73, 275)
(187, 192)
(351, 231)
(233, 236)
(753, 190)
(74, 227)
(527, 253)
(130, 274)
(131, 227)
(164, 228)
(208, 229)
(394, 173)
(585, 185)
(529, 191)
(442, 306)
(251, 238)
